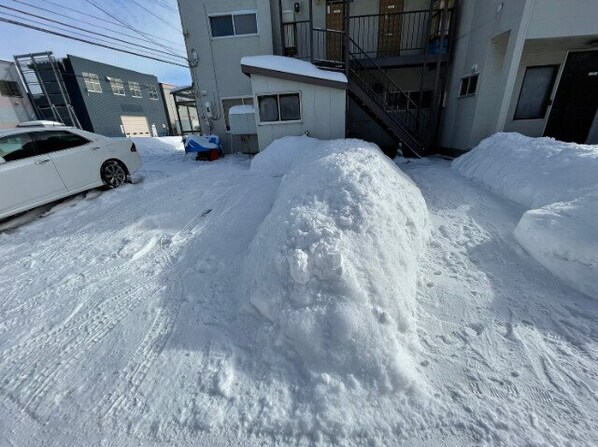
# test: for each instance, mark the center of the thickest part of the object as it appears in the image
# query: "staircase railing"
(387, 94)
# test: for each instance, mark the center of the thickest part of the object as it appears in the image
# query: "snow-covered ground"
(558, 183)
(290, 302)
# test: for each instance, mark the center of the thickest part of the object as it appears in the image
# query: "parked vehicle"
(40, 164)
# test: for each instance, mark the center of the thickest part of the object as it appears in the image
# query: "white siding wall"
(322, 110)
(219, 72)
(483, 34)
(563, 18)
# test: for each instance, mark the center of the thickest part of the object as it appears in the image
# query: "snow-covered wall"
(558, 183)
(332, 270)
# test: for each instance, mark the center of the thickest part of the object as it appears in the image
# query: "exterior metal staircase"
(384, 100)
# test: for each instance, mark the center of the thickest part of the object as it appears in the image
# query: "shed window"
(92, 82)
(469, 85)
(9, 88)
(118, 86)
(135, 89)
(535, 92)
(290, 108)
(278, 108)
(234, 24)
(153, 92)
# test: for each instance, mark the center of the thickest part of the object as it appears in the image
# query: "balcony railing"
(296, 41)
(378, 35)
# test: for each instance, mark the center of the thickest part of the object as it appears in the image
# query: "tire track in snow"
(69, 343)
(104, 221)
(123, 396)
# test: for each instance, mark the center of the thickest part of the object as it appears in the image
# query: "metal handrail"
(395, 87)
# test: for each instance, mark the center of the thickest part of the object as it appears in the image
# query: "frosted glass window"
(245, 23)
(268, 106)
(535, 92)
(290, 107)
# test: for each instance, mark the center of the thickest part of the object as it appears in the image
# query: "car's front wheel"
(113, 173)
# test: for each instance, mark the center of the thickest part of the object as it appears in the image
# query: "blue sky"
(18, 40)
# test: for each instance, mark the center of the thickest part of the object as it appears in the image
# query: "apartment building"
(422, 74)
(94, 96)
(14, 103)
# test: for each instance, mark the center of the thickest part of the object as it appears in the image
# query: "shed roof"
(292, 69)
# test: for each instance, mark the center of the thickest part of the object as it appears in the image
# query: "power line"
(122, 50)
(150, 12)
(165, 5)
(94, 4)
(91, 32)
(32, 21)
(103, 19)
(62, 15)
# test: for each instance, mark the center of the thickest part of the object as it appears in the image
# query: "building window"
(469, 85)
(92, 82)
(279, 108)
(535, 92)
(234, 24)
(227, 103)
(153, 92)
(10, 88)
(118, 86)
(135, 89)
(409, 100)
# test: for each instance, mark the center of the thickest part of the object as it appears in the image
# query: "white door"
(26, 178)
(135, 126)
(77, 159)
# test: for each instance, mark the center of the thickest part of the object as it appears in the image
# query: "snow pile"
(157, 146)
(563, 237)
(332, 269)
(558, 183)
(532, 172)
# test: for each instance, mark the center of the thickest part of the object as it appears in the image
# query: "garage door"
(135, 126)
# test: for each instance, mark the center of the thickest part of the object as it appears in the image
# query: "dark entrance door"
(335, 24)
(390, 27)
(576, 99)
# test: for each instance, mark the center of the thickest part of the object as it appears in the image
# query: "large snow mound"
(563, 237)
(532, 172)
(558, 183)
(332, 270)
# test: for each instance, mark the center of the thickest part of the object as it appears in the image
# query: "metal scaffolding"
(46, 89)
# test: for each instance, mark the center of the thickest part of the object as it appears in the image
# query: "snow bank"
(532, 172)
(158, 145)
(558, 182)
(332, 269)
(563, 237)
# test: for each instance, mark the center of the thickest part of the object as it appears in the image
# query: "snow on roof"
(292, 66)
(241, 110)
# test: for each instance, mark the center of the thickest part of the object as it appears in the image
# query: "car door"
(26, 177)
(77, 159)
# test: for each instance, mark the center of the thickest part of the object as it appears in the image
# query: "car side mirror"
(2, 160)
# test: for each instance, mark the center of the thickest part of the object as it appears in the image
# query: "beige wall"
(219, 72)
(322, 110)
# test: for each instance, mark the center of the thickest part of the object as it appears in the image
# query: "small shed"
(294, 97)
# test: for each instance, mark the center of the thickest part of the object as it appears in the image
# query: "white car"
(41, 164)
